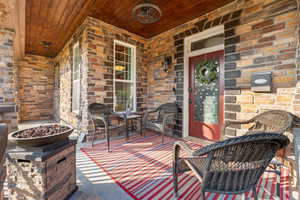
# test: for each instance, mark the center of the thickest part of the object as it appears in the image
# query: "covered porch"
(140, 168)
(217, 61)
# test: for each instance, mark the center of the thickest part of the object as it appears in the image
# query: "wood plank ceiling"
(55, 20)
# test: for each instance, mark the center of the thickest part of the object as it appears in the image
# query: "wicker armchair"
(165, 117)
(273, 121)
(101, 117)
(232, 166)
(278, 121)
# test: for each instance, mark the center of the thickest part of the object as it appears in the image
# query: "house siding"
(260, 35)
(100, 41)
(35, 88)
(63, 79)
(8, 80)
(96, 40)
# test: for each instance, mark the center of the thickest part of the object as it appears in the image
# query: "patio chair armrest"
(93, 117)
(99, 118)
(151, 111)
(257, 136)
(181, 145)
(114, 115)
(228, 123)
(167, 119)
(146, 114)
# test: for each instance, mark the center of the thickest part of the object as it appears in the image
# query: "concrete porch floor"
(93, 183)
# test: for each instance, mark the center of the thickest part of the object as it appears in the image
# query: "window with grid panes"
(76, 68)
(124, 77)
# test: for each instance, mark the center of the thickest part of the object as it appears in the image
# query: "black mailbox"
(261, 82)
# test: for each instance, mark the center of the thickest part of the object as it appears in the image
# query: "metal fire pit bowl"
(40, 141)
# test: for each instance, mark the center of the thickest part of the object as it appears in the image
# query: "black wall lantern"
(167, 61)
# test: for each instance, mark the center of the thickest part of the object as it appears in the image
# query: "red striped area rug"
(142, 167)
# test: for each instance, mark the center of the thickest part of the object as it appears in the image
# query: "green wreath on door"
(207, 71)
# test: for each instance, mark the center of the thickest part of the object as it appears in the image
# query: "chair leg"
(162, 138)
(127, 131)
(278, 175)
(255, 193)
(203, 194)
(93, 138)
(175, 169)
(107, 140)
(175, 178)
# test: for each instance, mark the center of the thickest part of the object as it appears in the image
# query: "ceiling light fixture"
(146, 13)
(46, 44)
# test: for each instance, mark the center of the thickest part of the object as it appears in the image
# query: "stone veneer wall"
(35, 88)
(161, 84)
(96, 43)
(260, 35)
(8, 108)
(100, 39)
(63, 78)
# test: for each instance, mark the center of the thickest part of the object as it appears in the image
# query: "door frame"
(187, 54)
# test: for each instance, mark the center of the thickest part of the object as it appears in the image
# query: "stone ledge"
(8, 108)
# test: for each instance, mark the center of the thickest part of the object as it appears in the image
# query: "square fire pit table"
(42, 173)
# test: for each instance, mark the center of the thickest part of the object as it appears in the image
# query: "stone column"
(297, 154)
(8, 90)
(3, 144)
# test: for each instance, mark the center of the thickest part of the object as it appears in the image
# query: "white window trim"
(133, 60)
(187, 54)
(76, 45)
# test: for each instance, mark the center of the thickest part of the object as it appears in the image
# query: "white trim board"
(187, 54)
(133, 57)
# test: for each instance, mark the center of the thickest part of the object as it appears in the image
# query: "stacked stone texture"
(8, 87)
(260, 35)
(96, 43)
(35, 88)
(63, 80)
(52, 179)
(100, 39)
(264, 39)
